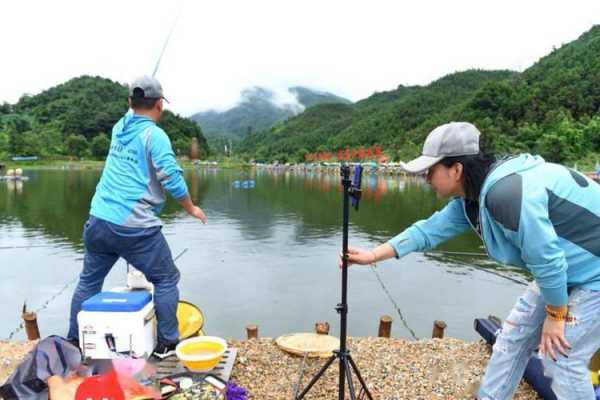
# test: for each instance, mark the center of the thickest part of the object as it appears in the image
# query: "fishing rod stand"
(347, 365)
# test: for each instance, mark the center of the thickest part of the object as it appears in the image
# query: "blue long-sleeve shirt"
(139, 167)
(532, 214)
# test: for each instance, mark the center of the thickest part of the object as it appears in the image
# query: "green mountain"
(382, 119)
(76, 118)
(551, 109)
(309, 97)
(259, 109)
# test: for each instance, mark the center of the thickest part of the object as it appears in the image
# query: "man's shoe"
(164, 350)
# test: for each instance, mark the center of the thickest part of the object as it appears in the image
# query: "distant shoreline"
(187, 164)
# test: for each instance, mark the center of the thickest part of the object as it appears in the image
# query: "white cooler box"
(116, 323)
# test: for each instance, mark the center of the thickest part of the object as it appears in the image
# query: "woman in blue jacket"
(530, 213)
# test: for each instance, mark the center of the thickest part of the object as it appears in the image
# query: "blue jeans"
(144, 248)
(520, 336)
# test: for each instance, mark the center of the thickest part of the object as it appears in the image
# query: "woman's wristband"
(557, 314)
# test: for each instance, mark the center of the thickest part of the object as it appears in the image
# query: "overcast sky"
(350, 48)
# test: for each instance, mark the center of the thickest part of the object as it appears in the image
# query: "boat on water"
(13, 178)
(25, 158)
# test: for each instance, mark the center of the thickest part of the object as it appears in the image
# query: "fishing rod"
(166, 43)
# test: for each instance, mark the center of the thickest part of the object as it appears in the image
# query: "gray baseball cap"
(448, 140)
(150, 88)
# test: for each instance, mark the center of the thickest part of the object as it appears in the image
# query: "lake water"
(268, 255)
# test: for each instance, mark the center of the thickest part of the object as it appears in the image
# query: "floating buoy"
(246, 184)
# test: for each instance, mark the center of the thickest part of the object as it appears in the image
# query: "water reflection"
(263, 249)
(57, 203)
(14, 186)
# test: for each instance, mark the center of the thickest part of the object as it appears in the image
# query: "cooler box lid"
(117, 302)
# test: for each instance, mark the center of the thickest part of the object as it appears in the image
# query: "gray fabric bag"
(53, 355)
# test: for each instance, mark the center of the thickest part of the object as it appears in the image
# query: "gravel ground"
(392, 368)
(11, 354)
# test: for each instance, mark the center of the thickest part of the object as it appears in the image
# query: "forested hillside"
(76, 119)
(551, 108)
(382, 119)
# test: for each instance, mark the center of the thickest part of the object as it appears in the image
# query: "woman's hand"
(358, 256)
(553, 338)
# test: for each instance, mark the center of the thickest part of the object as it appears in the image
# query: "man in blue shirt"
(124, 220)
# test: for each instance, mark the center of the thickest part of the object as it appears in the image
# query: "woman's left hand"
(553, 338)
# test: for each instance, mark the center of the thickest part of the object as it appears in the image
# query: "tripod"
(347, 364)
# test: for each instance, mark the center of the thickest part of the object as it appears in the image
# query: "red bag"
(100, 387)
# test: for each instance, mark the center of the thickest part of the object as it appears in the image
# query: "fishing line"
(479, 268)
(457, 253)
(44, 305)
(387, 292)
(61, 291)
(399, 311)
(33, 246)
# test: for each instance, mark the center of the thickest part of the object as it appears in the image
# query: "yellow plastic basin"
(201, 353)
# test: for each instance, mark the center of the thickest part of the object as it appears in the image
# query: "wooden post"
(194, 149)
(252, 332)
(438, 329)
(31, 326)
(322, 328)
(385, 326)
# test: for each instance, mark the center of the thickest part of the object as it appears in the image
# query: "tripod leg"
(316, 377)
(298, 385)
(349, 377)
(360, 379)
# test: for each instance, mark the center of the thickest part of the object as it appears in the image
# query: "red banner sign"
(348, 154)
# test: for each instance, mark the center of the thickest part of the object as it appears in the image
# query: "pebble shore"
(393, 369)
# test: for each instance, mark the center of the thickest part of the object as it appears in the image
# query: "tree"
(30, 144)
(300, 155)
(591, 133)
(51, 141)
(5, 108)
(3, 145)
(181, 146)
(100, 146)
(563, 139)
(77, 145)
